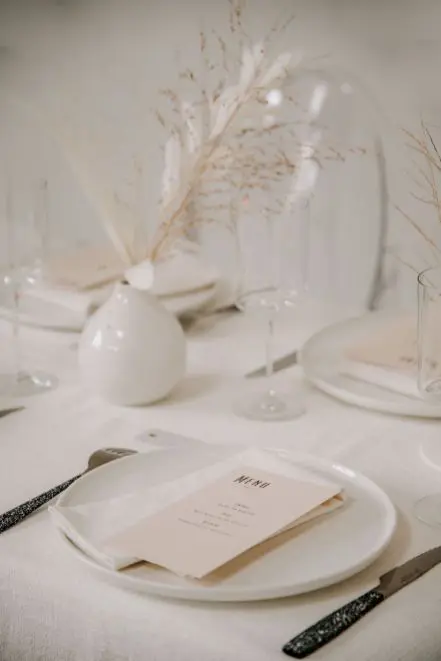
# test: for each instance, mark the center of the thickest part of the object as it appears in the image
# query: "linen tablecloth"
(53, 609)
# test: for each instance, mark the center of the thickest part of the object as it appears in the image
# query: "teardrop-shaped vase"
(132, 351)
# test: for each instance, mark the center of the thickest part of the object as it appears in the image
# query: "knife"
(278, 365)
(333, 625)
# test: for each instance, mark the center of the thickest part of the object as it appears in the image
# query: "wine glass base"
(269, 406)
(26, 384)
(428, 509)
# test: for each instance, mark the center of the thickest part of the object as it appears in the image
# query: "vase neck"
(124, 291)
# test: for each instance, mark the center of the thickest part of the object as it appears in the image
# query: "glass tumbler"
(428, 508)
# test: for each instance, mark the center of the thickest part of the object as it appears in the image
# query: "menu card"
(214, 524)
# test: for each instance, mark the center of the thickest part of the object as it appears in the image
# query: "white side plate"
(324, 354)
(322, 553)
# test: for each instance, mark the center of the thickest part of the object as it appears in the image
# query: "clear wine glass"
(273, 285)
(26, 235)
(275, 142)
(428, 508)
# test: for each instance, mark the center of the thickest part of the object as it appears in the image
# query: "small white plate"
(45, 314)
(324, 354)
(323, 552)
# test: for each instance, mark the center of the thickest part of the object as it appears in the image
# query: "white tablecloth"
(52, 609)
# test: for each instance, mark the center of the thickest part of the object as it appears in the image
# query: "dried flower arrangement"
(199, 157)
(195, 152)
(232, 139)
(210, 146)
(427, 178)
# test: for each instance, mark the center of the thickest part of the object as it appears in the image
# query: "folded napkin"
(184, 271)
(386, 358)
(89, 526)
(401, 382)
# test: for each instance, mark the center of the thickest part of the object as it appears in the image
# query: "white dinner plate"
(49, 315)
(322, 552)
(325, 353)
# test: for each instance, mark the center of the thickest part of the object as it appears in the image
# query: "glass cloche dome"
(306, 187)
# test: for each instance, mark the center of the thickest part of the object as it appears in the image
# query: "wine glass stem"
(10, 240)
(16, 333)
(269, 348)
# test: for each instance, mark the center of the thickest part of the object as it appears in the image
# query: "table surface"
(53, 609)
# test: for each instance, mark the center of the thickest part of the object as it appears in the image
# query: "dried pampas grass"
(191, 160)
(200, 158)
(426, 162)
(195, 153)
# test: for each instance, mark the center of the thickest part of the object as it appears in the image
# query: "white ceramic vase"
(132, 351)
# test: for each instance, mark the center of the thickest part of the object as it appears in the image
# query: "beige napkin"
(89, 526)
(387, 359)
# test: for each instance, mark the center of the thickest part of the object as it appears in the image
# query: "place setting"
(192, 489)
(187, 520)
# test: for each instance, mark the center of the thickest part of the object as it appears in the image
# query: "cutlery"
(333, 625)
(97, 458)
(281, 364)
(12, 410)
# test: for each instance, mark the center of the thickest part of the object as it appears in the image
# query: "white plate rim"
(244, 594)
(412, 408)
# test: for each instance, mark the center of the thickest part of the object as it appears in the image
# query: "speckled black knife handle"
(17, 514)
(332, 625)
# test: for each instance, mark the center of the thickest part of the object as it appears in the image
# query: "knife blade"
(280, 364)
(331, 626)
(12, 410)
